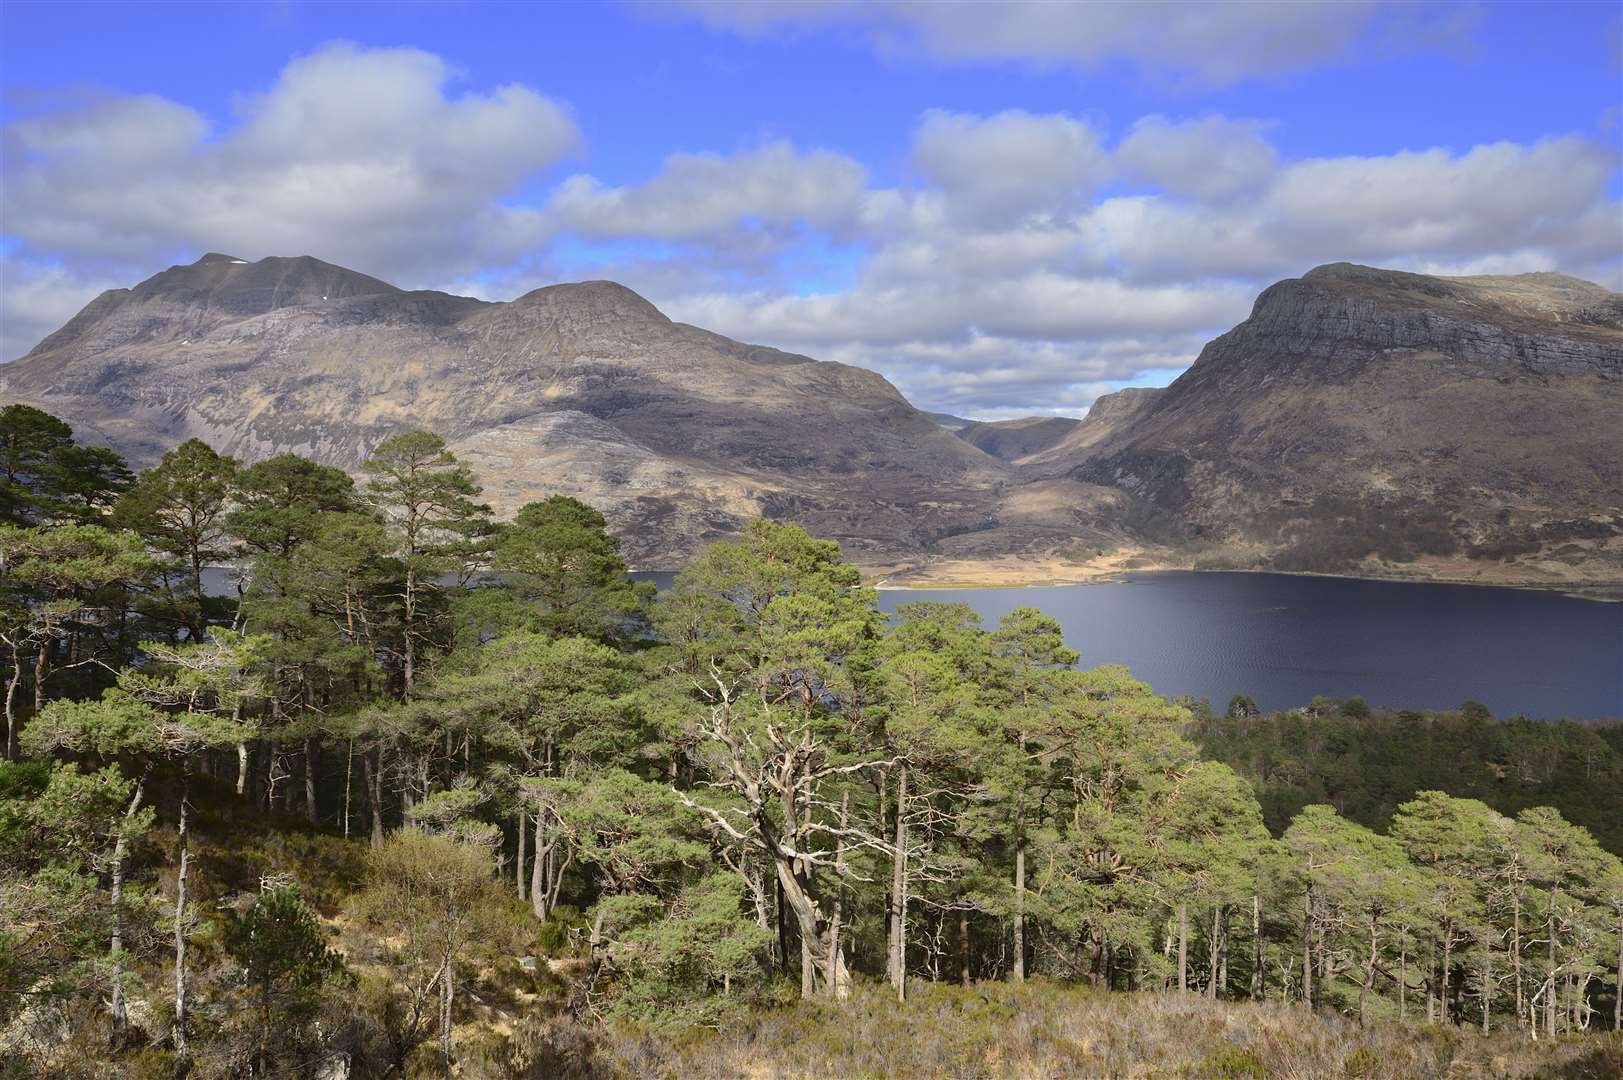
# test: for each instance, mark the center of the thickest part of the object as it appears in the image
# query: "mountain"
(677, 434)
(949, 421)
(1011, 440)
(1371, 419)
(1361, 420)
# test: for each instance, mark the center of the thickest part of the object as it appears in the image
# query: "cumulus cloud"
(357, 155)
(36, 299)
(1212, 158)
(1004, 167)
(1023, 262)
(708, 196)
(1189, 40)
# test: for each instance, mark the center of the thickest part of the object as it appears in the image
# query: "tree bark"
(835, 963)
(1256, 948)
(447, 989)
(312, 762)
(1516, 952)
(373, 777)
(518, 876)
(963, 946)
(1213, 949)
(1183, 947)
(242, 769)
(1403, 974)
(1307, 947)
(116, 1007)
(898, 892)
(1445, 975)
(1617, 997)
(1549, 972)
(1369, 967)
(181, 1046)
(42, 661)
(1020, 882)
(12, 683)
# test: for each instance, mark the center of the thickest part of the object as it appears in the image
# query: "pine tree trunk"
(349, 776)
(1617, 996)
(1307, 947)
(963, 946)
(373, 775)
(1020, 883)
(1213, 947)
(446, 990)
(539, 886)
(312, 762)
(836, 965)
(116, 1007)
(1447, 975)
(180, 909)
(1369, 968)
(1516, 952)
(1403, 975)
(1549, 972)
(898, 890)
(518, 876)
(42, 661)
(13, 681)
(1183, 948)
(1256, 948)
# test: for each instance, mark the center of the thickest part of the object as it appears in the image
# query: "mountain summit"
(1361, 420)
(1363, 414)
(678, 434)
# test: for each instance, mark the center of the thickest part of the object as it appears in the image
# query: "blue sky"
(1005, 209)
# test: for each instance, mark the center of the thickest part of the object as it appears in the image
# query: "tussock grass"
(1045, 1029)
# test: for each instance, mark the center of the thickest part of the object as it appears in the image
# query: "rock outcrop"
(1369, 415)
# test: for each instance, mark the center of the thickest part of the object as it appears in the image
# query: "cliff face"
(1364, 414)
(677, 434)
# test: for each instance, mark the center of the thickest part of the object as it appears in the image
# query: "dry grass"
(1046, 1030)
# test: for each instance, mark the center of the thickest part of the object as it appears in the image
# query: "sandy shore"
(1016, 572)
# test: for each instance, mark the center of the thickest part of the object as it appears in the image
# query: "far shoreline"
(985, 574)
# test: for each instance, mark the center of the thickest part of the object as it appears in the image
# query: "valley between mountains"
(1361, 421)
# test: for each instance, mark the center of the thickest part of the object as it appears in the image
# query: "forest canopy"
(417, 769)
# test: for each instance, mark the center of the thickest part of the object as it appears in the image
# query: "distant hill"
(1365, 416)
(1360, 420)
(678, 434)
(949, 421)
(1011, 440)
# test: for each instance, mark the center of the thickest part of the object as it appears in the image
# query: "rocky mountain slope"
(1365, 418)
(1360, 420)
(678, 434)
(1011, 440)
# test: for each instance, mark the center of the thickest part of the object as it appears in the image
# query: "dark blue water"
(1283, 639)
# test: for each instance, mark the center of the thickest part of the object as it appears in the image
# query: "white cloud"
(1212, 158)
(1011, 271)
(1190, 40)
(356, 155)
(36, 299)
(711, 195)
(1001, 168)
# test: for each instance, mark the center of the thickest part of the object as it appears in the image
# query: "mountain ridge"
(1360, 420)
